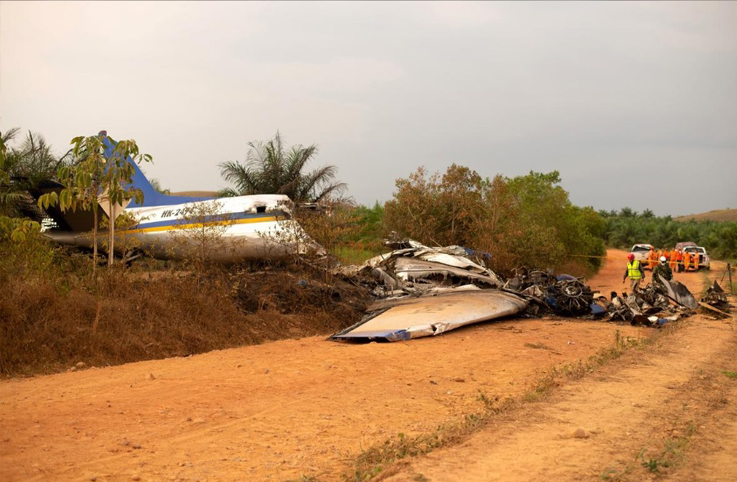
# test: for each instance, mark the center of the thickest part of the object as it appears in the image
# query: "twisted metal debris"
(716, 297)
(404, 279)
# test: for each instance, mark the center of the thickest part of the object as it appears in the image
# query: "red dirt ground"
(307, 407)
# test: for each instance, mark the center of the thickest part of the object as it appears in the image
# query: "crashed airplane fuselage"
(249, 227)
(246, 227)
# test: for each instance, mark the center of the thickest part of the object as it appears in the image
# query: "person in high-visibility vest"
(679, 258)
(695, 261)
(634, 271)
(652, 258)
(686, 261)
(673, 260)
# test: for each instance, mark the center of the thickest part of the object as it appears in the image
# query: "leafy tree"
(542, 206)
(526, 220)
(100, 175)
(462, 191)
(370, 224)
(270, 168)
(332, 227)
(414, 211)
(501, 228)
(439, 210)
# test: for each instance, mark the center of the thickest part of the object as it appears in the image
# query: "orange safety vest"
(673, 261)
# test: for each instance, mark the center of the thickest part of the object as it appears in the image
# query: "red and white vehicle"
(704, 261)
(685, 244)
(641, 251)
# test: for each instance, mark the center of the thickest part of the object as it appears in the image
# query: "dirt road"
(670, 412)
(307, 407)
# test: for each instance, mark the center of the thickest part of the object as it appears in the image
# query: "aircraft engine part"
(570, 297)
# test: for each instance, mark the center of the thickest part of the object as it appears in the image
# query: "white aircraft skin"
(252, 227)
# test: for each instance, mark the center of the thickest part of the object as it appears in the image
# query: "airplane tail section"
(151, 197)
(81, 221)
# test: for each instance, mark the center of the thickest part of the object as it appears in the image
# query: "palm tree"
(9, 196)
(25, 168)
(272, 169)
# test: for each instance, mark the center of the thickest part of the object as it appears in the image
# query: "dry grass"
(48, 326)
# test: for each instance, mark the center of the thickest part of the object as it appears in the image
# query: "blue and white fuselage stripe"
(234, 218)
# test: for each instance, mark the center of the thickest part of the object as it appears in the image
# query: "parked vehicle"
(684, 244)
(704, 261)
(641, 251)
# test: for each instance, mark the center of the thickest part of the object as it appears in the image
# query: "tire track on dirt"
(622, 409)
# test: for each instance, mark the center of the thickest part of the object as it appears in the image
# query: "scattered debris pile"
(562, 294)
(415, 269)
(644, 308)
(716, 297)
(423, 291)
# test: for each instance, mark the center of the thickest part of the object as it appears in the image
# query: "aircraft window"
(260, 209)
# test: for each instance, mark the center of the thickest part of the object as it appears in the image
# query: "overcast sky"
(634, 103)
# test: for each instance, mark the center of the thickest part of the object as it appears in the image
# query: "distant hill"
(196, 193)
(724, 215)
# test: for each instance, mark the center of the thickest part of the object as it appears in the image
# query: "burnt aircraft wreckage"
(423, 291)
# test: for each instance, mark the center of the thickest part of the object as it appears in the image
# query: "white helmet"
(663, 260)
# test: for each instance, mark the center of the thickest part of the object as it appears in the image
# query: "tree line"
(627, 227)
(520, 221)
